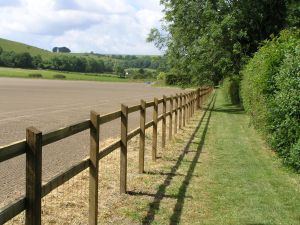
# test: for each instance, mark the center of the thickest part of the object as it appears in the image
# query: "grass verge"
(51, 74)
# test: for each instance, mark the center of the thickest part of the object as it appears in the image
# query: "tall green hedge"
(270, 92)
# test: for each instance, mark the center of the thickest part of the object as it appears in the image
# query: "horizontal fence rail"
(181, 106)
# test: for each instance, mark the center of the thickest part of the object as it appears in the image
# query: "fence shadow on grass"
(230, 109)
(160, 194)
(177, 211)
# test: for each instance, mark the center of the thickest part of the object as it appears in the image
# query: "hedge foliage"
(270, 91)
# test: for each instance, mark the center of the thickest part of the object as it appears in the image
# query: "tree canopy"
(207, 40)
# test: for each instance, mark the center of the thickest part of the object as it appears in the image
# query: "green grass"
(48, 74)
(244, 180)
(18, 47)
(8, 45)
(216, 171)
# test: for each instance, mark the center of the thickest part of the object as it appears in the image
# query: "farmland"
(50, 104)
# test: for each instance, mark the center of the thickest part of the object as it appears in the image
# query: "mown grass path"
(243, 181)
(216, 171)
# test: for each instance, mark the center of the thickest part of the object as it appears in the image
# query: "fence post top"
(33, 130)
(94, 113)
(143, 104)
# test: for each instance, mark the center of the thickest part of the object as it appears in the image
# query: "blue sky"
(102, 26)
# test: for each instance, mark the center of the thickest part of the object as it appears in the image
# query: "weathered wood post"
(155, 121)
(184, 110)
(94, 167)
(163, 143)
(176, 114)
(142, 136)
(188, 104)
(180, 111)
(194, 102)
(33, 176)
(123, 150)
(171, 118)
(198, 98)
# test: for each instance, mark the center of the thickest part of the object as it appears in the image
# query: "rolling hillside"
(18, 47)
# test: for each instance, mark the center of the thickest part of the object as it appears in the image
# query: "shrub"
(35, 75)
(270, 92)
(161, 76)
(23, 60)
(59, 76)
(174, 78)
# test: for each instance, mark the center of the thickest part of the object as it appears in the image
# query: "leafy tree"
(141, 71)
(95, 66)
(61, 49)
(119, 70)
(293, 18)
(207, 40)
(79, 64)
(37, 61)
(23, 60)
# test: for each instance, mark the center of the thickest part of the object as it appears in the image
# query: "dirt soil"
(51, 104)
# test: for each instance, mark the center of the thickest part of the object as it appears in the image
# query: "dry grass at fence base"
(68, 204)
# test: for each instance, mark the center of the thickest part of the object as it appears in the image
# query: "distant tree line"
(61, 49)
(81, 63)
(21, 60)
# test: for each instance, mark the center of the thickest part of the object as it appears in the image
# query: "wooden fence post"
(171, 118)
(142, 136)
(33, 176)
(194, 102)
(180, 111)
(188, 104)
(184, 110)
(176, 114)
(94, 167)
(123, 152)
(154, 138)
(163, 143)
(198, 98)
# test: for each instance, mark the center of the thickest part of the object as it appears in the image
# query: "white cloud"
(106, 26)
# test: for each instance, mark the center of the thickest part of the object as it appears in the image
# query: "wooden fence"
(182, 107)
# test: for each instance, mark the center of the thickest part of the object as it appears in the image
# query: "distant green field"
(48, 74)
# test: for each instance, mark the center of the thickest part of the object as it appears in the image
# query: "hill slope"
(17, 47)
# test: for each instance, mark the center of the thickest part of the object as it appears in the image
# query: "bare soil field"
(49, 105)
